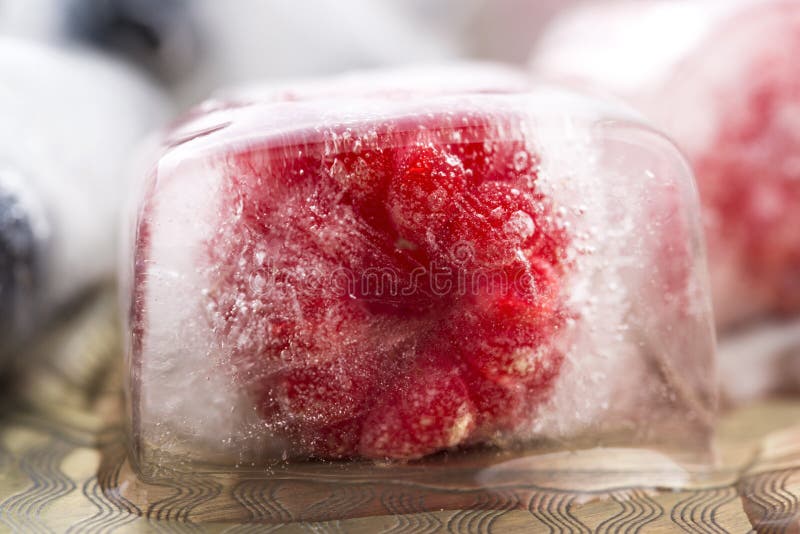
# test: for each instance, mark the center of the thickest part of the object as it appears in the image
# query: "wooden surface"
(63, 468)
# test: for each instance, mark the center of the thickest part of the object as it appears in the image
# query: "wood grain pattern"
(63, 468)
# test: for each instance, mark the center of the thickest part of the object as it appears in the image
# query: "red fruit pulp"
(396, 297)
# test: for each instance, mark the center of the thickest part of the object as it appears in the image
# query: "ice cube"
(402, 82)
(721, 79)
(388, 274)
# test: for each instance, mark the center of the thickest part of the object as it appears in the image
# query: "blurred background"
(82, 82)
(194, 46)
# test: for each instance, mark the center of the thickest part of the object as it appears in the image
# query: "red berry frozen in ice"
(456, 210)
(324, 394)
(376, 359)
(500, 409)
(507, 337)
(430, 410)
(428, 189)
(348, 276)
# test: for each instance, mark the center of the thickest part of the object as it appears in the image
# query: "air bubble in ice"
(520, 223)
(520, 160)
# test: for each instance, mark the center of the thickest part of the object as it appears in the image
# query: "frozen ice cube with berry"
(375, 274)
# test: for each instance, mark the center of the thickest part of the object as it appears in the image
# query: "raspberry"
(500, 222)
(364, 178)
(429, 411)
(500, 409)
(492, 151)
(324, 394)
(361, 366)
(455, 214)
(428, 190)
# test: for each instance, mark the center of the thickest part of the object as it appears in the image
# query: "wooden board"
(63, 468)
